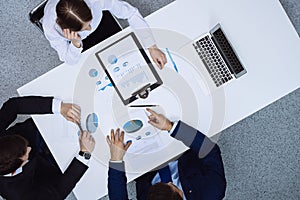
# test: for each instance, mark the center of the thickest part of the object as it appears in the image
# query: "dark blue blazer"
(38, 180)
(200, 169)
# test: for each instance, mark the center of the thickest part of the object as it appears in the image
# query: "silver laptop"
(214, 51)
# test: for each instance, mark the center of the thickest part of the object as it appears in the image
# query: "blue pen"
(174, 64)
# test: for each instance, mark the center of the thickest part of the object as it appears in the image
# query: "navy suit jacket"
(38, 179)
(200, 169)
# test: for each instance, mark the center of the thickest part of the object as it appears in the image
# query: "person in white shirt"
(67, 22)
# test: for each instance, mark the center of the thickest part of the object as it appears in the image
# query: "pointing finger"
(151, 111)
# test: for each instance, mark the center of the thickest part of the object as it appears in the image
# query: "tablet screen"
(128, 67)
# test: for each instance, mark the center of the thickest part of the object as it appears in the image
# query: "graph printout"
(126, 66)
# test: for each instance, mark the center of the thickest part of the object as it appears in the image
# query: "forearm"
(124, 10)
(117, 180)
(70, 178)
(23, 105)
(142, 29)
(193, 138)
(69, 53)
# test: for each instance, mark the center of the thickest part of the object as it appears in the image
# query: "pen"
(141, 106)
(79, 126)
(174, 64)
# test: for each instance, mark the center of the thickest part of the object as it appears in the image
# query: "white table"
(260, 32)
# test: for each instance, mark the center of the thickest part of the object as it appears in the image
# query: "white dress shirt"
(70, 54)
(173, 169)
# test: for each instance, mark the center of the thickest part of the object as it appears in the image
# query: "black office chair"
(107, 27)
(36, 15)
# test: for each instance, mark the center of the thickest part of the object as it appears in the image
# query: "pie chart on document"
(133, 126)
(92, 123)
(179, 98)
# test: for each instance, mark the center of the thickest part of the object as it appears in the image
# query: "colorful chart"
(133, 126)
(116, 69)
(108, 85)
(93, 73)
(112, 59)
(92, 122)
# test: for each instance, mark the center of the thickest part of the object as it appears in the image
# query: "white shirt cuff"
(173, 127)
(82, 159)
(74, 49)
(56, 105)
(116, 161)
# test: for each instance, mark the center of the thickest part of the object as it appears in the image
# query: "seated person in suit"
(25, 173)
(197, 174)
(67, 22)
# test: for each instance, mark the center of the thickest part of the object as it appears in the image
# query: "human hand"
(86, 142)
(116, 145)
(158, 56)
(159, 121)
(71, 112)
(73, 37)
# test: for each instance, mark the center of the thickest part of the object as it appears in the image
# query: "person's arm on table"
(212, 172)
(23, 105)
(124, 10)
(35, 105)
(76, 169)
(190, 136)
(117, 180)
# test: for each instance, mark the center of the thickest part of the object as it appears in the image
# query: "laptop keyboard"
(234, 64)
(213, 61)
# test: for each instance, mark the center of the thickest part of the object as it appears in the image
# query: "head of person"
(162, 191)
(74, 15)
(14, 151)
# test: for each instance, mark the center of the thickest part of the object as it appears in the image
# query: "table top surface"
(268, 51)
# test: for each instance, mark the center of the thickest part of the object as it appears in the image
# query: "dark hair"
(12, 148)
(162, 191)
(71, 14)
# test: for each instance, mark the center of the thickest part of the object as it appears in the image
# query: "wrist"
(153, 47)
(85, 154)
(84, 149)
(169, 126)
(116, 158)
(77, 44)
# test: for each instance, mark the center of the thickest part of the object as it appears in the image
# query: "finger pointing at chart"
(158, 120)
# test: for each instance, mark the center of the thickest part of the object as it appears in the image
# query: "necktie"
(165, 174)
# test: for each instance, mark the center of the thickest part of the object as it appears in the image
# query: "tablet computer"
(129, 69)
